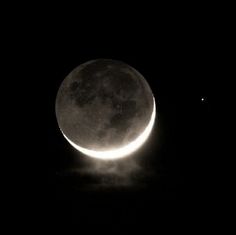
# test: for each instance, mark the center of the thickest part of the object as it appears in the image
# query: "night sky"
(176, 181)
(172, 166)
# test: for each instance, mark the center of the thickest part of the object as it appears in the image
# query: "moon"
(105, 109)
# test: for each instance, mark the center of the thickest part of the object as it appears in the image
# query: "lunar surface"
(105, 109)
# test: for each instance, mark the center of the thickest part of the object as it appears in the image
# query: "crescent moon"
(124, 151)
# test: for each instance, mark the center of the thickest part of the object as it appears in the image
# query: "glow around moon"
(123, 151)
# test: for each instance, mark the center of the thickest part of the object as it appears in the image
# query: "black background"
(178, 66)
(179, 58)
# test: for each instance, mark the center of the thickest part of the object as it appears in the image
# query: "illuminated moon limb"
(123, 151)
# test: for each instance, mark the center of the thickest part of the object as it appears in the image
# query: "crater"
(73, 86)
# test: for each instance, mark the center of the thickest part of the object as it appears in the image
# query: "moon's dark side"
(103, 104)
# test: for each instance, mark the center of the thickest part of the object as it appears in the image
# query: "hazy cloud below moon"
(128, 173)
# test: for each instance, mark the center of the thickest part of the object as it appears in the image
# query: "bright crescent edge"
(123, 151)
